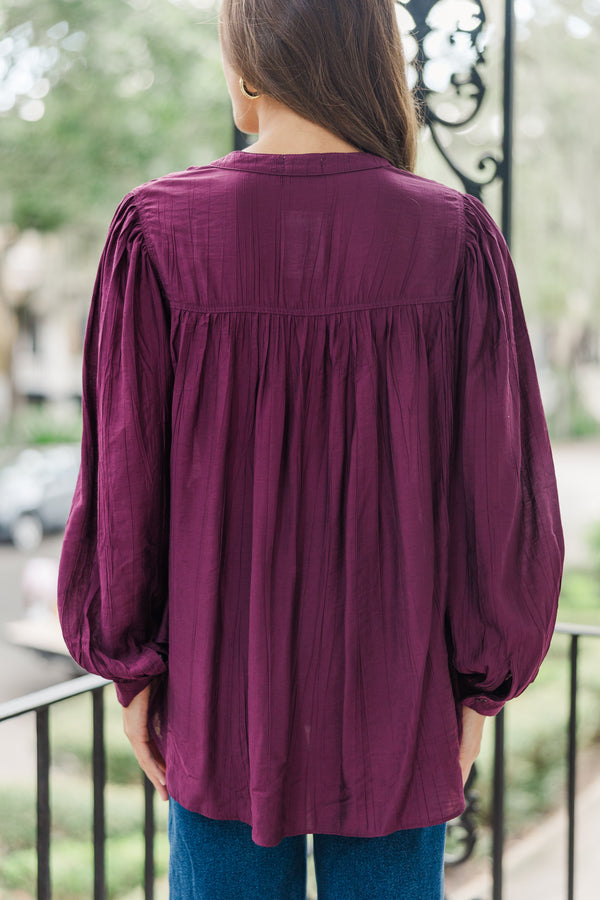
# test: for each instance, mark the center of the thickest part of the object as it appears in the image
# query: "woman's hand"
(147, 754)
(470, 745)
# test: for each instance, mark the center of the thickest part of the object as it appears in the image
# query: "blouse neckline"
(301, 163)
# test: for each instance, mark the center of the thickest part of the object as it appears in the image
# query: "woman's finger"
(151, 767)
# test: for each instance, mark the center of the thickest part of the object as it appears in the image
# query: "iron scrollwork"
(450, 51)
(462, 832)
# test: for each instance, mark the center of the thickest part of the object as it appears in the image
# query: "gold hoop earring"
(245, 91)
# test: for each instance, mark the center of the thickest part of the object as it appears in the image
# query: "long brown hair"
(338, 63)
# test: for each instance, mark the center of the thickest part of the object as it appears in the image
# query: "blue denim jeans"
(213, 859)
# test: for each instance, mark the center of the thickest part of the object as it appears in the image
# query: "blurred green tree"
(97, 96)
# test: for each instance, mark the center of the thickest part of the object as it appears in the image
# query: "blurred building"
(46, 284)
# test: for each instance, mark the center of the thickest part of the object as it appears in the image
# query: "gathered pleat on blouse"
(317, 506)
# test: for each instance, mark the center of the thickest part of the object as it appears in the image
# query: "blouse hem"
(272, 838)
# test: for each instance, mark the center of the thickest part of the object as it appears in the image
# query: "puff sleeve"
(506, 548)
(113, 569)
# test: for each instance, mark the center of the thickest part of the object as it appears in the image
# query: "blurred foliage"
(594, 545)
(555, 147)
(555, 191)
(580, 597)
(72, 811)
(557, 143)
(136, 89)
(72, 867)
(71, 799)
(569, 417)
(40, 423)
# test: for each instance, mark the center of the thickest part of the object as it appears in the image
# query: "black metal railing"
(576, 632)
(41, 701)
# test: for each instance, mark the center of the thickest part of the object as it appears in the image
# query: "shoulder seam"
(460, 263)
(134, 194)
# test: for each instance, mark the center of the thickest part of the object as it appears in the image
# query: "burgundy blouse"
(317, 504)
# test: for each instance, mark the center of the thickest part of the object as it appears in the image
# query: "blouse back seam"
(416, 301)
(328, 312)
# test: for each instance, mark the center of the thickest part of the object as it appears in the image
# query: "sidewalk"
(535, 867)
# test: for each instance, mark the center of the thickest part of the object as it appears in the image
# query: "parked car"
(36, 492)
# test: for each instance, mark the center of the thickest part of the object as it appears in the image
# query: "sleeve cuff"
(485, 706)
(127, 690)
(485, 702)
